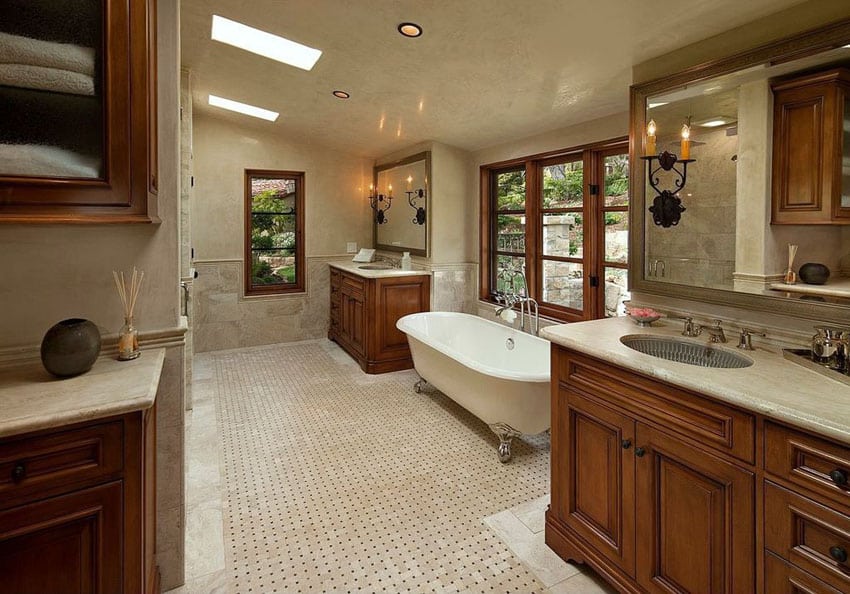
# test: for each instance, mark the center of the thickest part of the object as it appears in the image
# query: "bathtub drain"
(509, 343)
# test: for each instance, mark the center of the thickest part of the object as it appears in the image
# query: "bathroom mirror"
(405, 224)
(51, 90)
(724, 248)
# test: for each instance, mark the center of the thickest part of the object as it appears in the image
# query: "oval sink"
(682, 351)
(375, 267)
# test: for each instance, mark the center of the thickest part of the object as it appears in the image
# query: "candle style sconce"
(380, 203)
(412, 197)
(667, 207)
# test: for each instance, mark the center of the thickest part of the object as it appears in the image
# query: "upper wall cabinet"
(78, 111)
(811, 149)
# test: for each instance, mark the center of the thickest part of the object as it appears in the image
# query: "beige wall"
(336, 212)
(53, 272)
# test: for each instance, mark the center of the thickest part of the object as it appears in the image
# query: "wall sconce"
(667, 207)
(380, 203)
(412, 197)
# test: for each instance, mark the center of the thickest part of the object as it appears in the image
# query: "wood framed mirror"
(726, 249)
(405, 225)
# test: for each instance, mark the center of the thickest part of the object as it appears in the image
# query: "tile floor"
(306, 475)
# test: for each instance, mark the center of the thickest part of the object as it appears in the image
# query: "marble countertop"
(354, 268)
(773, 386)
(31, 399)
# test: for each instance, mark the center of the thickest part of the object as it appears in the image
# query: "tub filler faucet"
(510, 298)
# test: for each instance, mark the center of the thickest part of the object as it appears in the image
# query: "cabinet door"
(394, 299)
(357, 328)
(65, 545)
(593, 490)
(695, 519)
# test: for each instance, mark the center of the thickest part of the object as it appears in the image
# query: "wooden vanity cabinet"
(115, 123)
(364, 312)
(643, 501)
(661, 489)
(77, 509)
(810, 142)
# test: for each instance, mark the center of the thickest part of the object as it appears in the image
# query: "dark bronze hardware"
(838, 553)
(627, 443)
(839, 477)
(639, 452)
(19, 471)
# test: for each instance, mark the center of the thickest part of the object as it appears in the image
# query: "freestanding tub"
(499, 374)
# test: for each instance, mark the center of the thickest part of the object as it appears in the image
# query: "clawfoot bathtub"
(497, 373)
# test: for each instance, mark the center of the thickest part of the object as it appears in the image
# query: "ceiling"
(484, 71)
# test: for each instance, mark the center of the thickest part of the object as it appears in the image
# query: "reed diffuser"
(128, 337)
(790, 275)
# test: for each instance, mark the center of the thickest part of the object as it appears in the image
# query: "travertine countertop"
(772, 386)
(31, 399)
(354, 268)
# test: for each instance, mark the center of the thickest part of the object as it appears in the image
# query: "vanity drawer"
(817, 465)
(782, 578)
(353, 283)
(710, 423)
(808, 535)
(48, 463)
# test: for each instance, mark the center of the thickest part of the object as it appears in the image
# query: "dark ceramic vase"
(813, 274)
(70, 347)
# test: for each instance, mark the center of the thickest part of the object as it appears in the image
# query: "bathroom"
(295, 419)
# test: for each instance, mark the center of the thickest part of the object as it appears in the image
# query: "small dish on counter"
(643, 316)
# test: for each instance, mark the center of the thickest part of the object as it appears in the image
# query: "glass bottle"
(128, 341)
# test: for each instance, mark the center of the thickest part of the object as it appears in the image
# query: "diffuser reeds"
(790, 275)
(128, 337)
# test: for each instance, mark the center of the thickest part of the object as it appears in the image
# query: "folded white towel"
(40, 160)
(46, 79)
(15, 49)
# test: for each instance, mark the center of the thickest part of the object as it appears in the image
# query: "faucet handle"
(745, 341)
(689, 329)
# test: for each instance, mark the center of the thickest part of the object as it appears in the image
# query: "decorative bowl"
(644, 316)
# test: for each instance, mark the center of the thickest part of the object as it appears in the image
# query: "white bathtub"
(497, 373)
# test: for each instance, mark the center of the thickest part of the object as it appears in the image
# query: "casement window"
(564, 218)
(274, 232)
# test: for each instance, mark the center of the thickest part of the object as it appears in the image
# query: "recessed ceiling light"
(257, 112)
(410, 29)
(341, 95)
(265, 44)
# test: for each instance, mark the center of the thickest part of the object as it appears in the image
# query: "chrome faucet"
(715, 332)
(513, 298)
(745, 342)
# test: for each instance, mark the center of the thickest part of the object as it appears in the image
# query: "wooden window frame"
(593, 211)
(282, 289)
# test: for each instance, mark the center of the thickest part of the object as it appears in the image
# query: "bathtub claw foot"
(420, 385)
(506, 434)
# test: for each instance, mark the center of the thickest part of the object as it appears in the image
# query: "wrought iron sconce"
(380, 203)
(667, 207)
(412, 197)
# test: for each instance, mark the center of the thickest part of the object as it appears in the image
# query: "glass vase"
(128, 341)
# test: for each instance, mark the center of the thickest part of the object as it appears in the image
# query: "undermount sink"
(683, 351)
(375, 267)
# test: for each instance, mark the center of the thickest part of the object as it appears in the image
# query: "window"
(274, 236)
(564, 218)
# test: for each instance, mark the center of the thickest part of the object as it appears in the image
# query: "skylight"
(244, 108)
(265, 44)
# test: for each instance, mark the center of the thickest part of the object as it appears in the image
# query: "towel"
(74, 122)
(66, 21)
(39, 160)
(15, 49)
(46, 79)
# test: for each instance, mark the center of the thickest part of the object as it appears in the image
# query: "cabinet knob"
(627, 443)
(839, 477)
(639, 452)
(838, 553)
(19, 471)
